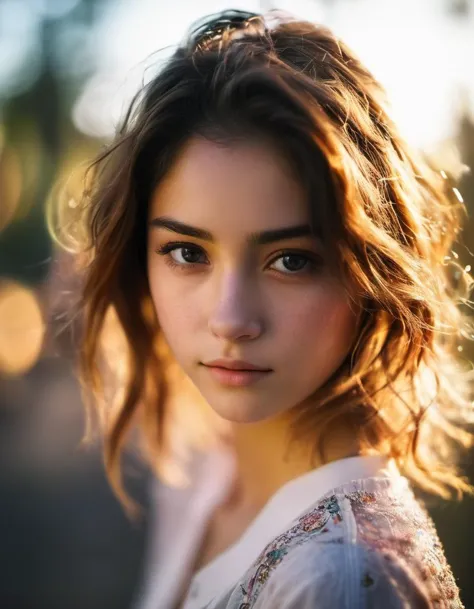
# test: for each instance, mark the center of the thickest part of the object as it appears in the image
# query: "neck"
(267, 457)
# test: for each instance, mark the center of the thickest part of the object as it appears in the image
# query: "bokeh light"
(21, 328)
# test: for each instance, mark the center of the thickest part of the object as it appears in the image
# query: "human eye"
(296, 262)
(179, 254)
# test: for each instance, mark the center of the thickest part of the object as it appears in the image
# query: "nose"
(233, 317)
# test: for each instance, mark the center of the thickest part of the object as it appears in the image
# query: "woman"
(273, 253)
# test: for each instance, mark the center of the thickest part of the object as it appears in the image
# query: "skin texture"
(248, 302)
(239, 300)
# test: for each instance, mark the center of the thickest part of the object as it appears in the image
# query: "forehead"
(242, 186)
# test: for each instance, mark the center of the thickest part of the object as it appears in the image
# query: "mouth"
(236, 378)
(235, 364)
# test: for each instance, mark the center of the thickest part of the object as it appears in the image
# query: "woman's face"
(235, 274)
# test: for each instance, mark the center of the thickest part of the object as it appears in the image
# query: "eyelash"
(166, 249)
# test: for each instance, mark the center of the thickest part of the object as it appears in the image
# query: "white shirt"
(182, 516)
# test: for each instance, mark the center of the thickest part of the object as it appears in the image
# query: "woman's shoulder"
(363, 545)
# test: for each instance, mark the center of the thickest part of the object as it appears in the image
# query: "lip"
(236, 378)
(235, 364)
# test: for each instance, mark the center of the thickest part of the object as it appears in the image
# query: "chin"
(241, 414)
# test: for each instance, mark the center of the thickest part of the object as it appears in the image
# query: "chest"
(224, 528)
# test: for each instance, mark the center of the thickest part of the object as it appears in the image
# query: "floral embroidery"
(307, 526)
(390, 522)
(361, 496)
(397, 524)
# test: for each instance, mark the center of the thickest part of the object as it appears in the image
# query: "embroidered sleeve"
(342, 576)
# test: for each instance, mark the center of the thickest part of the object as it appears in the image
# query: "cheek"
(177, 312)
(320, 328)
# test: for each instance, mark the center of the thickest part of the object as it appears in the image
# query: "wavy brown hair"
(386, 217)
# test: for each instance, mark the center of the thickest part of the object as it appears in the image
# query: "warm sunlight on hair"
(297, 112)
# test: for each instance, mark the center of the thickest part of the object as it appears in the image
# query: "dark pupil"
(293, 262)
(190, 255)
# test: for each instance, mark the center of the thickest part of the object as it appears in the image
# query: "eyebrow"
(261, 238)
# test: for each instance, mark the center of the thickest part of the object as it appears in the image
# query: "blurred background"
(67, 70)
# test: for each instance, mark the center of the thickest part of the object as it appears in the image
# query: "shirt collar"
(284, 506)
